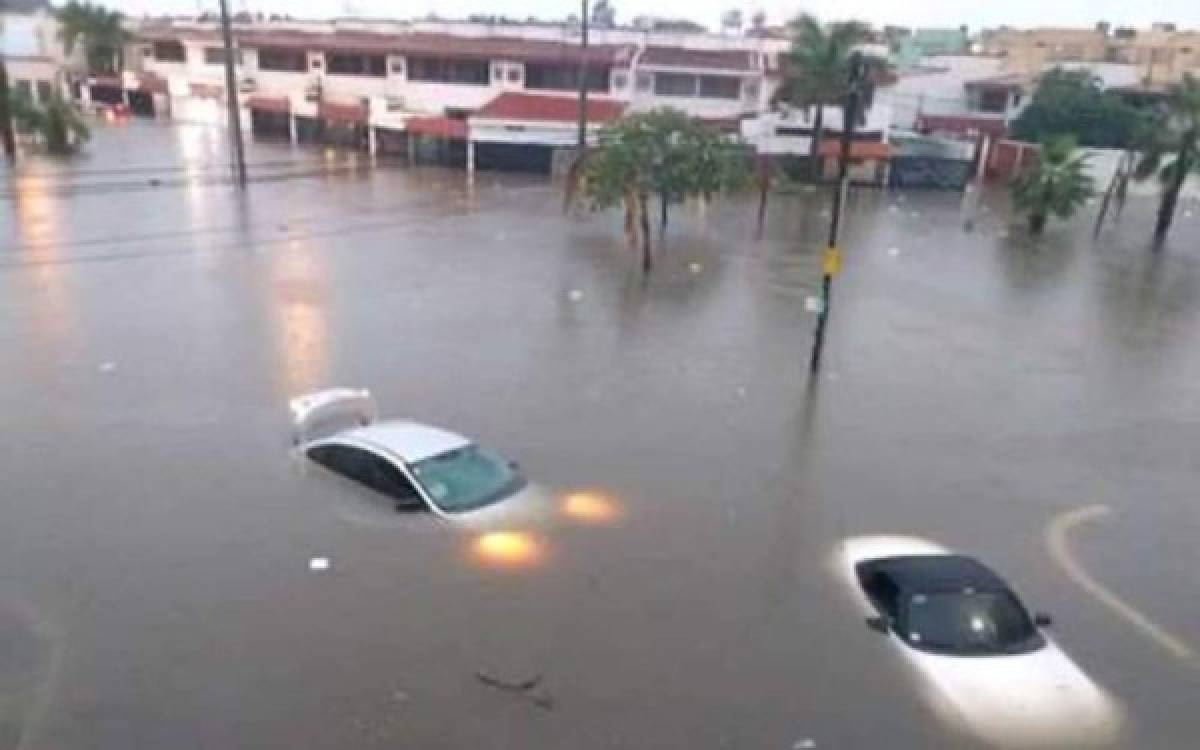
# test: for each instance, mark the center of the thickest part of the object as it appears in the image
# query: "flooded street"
(156, 530)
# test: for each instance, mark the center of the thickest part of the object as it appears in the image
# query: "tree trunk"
(764, 187)
(631, 221)
(663, 205)
(814, 153)
(644, 217)
(1037, 223)
(6, 126)
(1170, 198)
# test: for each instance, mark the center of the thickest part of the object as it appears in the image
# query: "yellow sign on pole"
(831, 262)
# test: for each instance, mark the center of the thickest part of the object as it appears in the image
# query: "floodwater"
(156, 532)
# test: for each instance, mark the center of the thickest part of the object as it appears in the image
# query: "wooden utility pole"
(831, 261)
(581, 145)
(237, 150)
(6, 124)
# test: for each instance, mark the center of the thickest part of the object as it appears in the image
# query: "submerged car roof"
(411, 441)
(929, 573)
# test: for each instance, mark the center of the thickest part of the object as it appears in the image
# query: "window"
(466, 478)
(216, 56)
(170, 51)
(674, 84)
(445, 70)
(883, 593)
(497, 72)
(23, 88)
(45, 91)
(720, 87)
(994, 102)
(645, 81)
(689, 85)
(353, 64)
(397, 67)
(968, 623)
(369, 469)
(620, 80)
(282, 60)
(514, 75)
(564, 77)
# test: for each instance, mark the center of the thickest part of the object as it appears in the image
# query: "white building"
(381, 82)
(37, 66)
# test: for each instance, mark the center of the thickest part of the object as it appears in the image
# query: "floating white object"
(695, 267)
(812, 304)
(108, 366)
(893, 251)
(804, 744)
(575, 295)
(318, 563)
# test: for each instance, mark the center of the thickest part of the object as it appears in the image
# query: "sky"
(944, 13)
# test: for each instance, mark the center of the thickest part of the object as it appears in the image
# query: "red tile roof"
(439, 127)
(515, 106)
(347, 113)
(679, 57)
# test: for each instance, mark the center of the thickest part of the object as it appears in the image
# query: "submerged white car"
(985, 663)
(419, 468)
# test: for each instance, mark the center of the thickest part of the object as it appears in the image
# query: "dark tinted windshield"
(968, 623)
(466, 478)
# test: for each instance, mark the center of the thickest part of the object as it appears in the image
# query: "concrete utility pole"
(831, 262)
(582, 75)
(238, 152)
(6, 125)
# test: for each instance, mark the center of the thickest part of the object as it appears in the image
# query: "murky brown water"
(156, 526)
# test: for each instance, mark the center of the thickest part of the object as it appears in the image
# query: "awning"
(438, 127)
(350, 114)
(522, 107)
(859, 150)
(278, 104)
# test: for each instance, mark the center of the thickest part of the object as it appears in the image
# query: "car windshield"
(466, 478)
(968, 622)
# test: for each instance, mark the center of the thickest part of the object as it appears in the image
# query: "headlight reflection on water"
(591, 508)
(508, 549)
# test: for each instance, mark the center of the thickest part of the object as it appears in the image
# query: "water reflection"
(300, 286)
(591, 508)
(508, 550)
(39, 221)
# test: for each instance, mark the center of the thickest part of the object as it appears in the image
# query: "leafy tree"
(817, 69)
(1072, 102)
(56, 121)
(1172, 149)
(604, 15)
(102, 33)
(1058, 184)
(662, 153)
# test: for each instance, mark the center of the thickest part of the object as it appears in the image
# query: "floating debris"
(318, 563)
(695, 267)
(893, 251)
(575, 295)
(107, 366)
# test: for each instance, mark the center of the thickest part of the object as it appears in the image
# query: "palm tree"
(1173, 150)
(1057, 185)
(102, 33)
(816, 69)
(55, 120)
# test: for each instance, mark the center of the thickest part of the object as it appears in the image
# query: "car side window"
(370, 469)
(884, 592)
(386, 478)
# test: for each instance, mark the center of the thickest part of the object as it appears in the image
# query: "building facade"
(386, 84)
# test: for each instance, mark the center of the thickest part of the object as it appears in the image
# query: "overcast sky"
(975, 13)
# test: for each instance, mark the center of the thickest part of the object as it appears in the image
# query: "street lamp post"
(581, 145)
(238, 154)
(831, 261)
